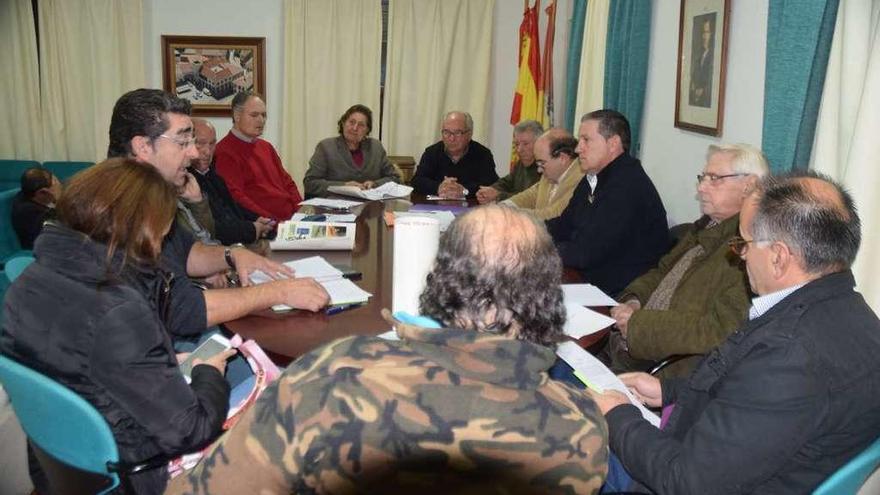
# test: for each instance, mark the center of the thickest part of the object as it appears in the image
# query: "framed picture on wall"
(209, 70)
(702, 60)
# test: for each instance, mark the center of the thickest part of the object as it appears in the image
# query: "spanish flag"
(526, 100)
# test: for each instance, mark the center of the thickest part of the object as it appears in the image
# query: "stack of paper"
(329, 217)
(598, 377)
(341, 290)
(387, 190)
(333, 204)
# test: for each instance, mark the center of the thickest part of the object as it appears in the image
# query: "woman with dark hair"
(89, 314)
(350, 159)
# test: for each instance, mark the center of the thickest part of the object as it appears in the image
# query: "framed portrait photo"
(702, 61)
(209, 70)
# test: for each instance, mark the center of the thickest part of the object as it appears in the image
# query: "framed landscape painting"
(209, 70)
(702, 61)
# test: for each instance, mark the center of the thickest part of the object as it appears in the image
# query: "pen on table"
(339, 309)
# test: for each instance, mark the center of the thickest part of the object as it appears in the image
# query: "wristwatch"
(227, 253)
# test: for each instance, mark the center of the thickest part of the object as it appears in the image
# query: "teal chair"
(66, 170)
(849, 478)
(71, 440)
(16, 265)
(11, 170)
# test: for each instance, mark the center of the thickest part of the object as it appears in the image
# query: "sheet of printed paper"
(582, 321)
(586, 295)
(598, 377)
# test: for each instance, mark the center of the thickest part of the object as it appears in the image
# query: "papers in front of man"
(388, 190)
(341, 290)
(329, 217)
(582, 321)
(314, 236)
(444, 217)
(586, 295)
(598, 377)
(333, 204)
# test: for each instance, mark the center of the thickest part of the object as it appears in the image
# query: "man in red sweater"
(251, 167)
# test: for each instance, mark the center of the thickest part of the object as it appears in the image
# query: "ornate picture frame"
(209, 70)
(702, 64)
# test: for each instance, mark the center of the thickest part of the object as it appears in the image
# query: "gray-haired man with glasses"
(697, 294)
(790, 396)
(456, 166)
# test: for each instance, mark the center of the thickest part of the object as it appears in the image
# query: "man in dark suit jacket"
(34, 204)
(456, 166)
(233, 223)
(614, 228)
(790, 396)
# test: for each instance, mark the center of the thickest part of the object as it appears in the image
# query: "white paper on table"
(600, 377)
(432, 197)
(388, 190)
(315, 267)
(443, 216)
(344, 291)
(330, 217)
(582, 321)
(586, 295)
(338, 204)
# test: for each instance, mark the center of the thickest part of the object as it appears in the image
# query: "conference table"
(288, 335)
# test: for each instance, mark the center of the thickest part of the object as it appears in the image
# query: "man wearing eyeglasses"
(790, 396)
(155, 128)
(456, 166)
(697, 295)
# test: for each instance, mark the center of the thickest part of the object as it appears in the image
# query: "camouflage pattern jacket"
(442, 411)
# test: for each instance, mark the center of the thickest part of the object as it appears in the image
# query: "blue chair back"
(66, 170)
(9, 244)
(59, 421)
(11, 170)
(16, 265)
(849, 478)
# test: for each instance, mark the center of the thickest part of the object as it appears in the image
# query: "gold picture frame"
(702, 65)
(209, 70)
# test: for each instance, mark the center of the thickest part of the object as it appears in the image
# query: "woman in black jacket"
(89, 314)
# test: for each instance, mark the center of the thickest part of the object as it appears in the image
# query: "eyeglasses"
(740, 246)
(714, 178)
(457, 133)
(356, 124)
(184, 144)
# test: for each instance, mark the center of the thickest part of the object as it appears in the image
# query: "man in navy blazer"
(790, 396)
(614, 228)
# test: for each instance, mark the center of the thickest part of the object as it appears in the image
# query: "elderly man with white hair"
(698, 293)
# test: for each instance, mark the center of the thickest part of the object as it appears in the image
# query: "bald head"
(206, 139)
(477, 281)
(554, 152)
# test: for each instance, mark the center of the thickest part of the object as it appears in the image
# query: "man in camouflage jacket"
(463, 409)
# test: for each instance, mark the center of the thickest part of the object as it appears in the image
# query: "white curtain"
(91, 52)
(20, 135)
(846, 146)
(332, 60)
(439, 59)
(591, 80)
